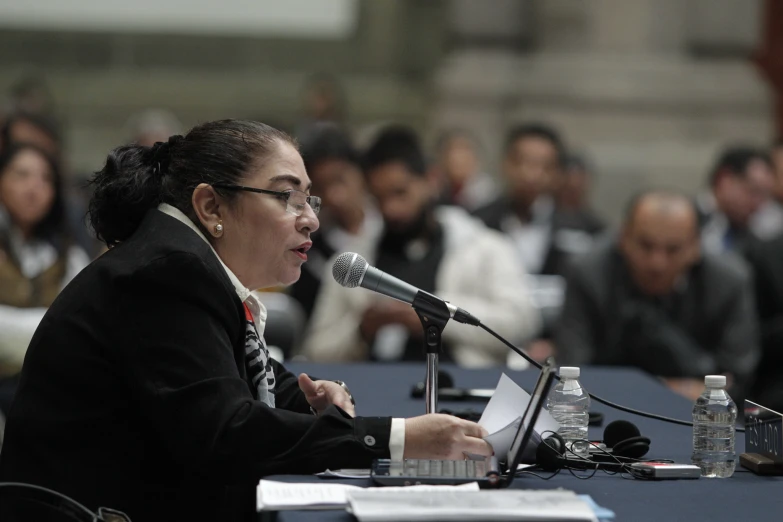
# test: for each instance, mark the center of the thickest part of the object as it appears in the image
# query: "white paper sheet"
(503, 412)
(376, 505)
(278, 496)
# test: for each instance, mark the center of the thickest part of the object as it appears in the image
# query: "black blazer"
(134, 393)
(560, 250)
(766, 259)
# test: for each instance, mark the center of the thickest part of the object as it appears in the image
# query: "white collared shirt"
(532, 239)
(397, 434)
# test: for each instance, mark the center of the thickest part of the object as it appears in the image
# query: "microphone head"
(348, 269)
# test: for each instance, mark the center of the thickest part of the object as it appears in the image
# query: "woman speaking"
(147, 387)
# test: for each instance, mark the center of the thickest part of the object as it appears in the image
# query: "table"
(384, 389)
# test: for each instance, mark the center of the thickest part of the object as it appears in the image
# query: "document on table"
(503, 414)
(278, 496)
(375, 505)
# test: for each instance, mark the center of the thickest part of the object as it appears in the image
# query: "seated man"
(741, 183)
(346, 208)
(546, 233)
(767, 223)
(464, 183)
(652, 300)
(767, 261)
(546, 237)
(438, 249)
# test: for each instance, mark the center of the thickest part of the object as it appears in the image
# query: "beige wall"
(650, 89)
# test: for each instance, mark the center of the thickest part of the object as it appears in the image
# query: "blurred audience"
(347, 210)
(741, 182)
(439, 249)
(459, 170)
(42, 132)
(153, 125)
(28, 127)
(37, 253)
(654, 301)
(768, 221)
(31, 94)
(323, 102)
(767, 261)
(571, 192)
(545, 238)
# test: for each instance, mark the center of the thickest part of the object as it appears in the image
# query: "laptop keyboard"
(444, 468)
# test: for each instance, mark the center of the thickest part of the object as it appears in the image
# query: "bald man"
(653, 300)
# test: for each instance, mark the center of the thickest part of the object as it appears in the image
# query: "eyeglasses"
(295, 199)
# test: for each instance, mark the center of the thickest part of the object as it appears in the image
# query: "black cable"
(526, 472)
(595, 397)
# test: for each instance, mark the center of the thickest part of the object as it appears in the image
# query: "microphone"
(351, 270)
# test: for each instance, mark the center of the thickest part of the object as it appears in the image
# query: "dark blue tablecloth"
(385, 390)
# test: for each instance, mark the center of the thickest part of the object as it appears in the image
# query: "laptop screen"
(529, 418)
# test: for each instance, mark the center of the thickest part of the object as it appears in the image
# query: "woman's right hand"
(444, 437)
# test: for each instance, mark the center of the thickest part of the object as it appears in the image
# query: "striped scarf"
(259, 367)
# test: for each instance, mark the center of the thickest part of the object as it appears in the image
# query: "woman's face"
(27, 189)
(262, 243)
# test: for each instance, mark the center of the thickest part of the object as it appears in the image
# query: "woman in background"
(37, 256)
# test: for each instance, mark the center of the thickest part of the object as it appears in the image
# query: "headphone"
(625, 440)
(627, 443)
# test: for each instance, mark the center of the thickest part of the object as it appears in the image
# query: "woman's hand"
(320, 394)
(438, 436)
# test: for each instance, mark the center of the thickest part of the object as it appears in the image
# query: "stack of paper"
(376, 505)
(279, 496)
(464, 502)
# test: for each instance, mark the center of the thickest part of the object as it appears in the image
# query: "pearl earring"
(219, 228)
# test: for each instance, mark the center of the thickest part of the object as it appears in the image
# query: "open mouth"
(301, 250)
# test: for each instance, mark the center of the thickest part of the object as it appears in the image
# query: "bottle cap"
(569, 372)
(715, 381)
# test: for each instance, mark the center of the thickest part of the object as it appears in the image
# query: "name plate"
(763, 431)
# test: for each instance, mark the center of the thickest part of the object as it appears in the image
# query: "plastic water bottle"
(569, 405)
(714, 417)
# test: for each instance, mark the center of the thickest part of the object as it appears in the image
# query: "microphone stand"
(433, 314)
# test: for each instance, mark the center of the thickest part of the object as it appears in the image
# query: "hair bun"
(159, 149)
(160, 154)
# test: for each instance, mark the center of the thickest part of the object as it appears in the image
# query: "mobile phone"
(665, 470)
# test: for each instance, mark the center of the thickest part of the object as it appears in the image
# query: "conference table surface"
(384, 390)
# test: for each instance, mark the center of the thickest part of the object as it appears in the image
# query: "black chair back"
(21, 502)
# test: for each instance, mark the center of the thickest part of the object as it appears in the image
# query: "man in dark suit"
(546, 238)
(767, 261)
(652, 300)
(741, 182)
